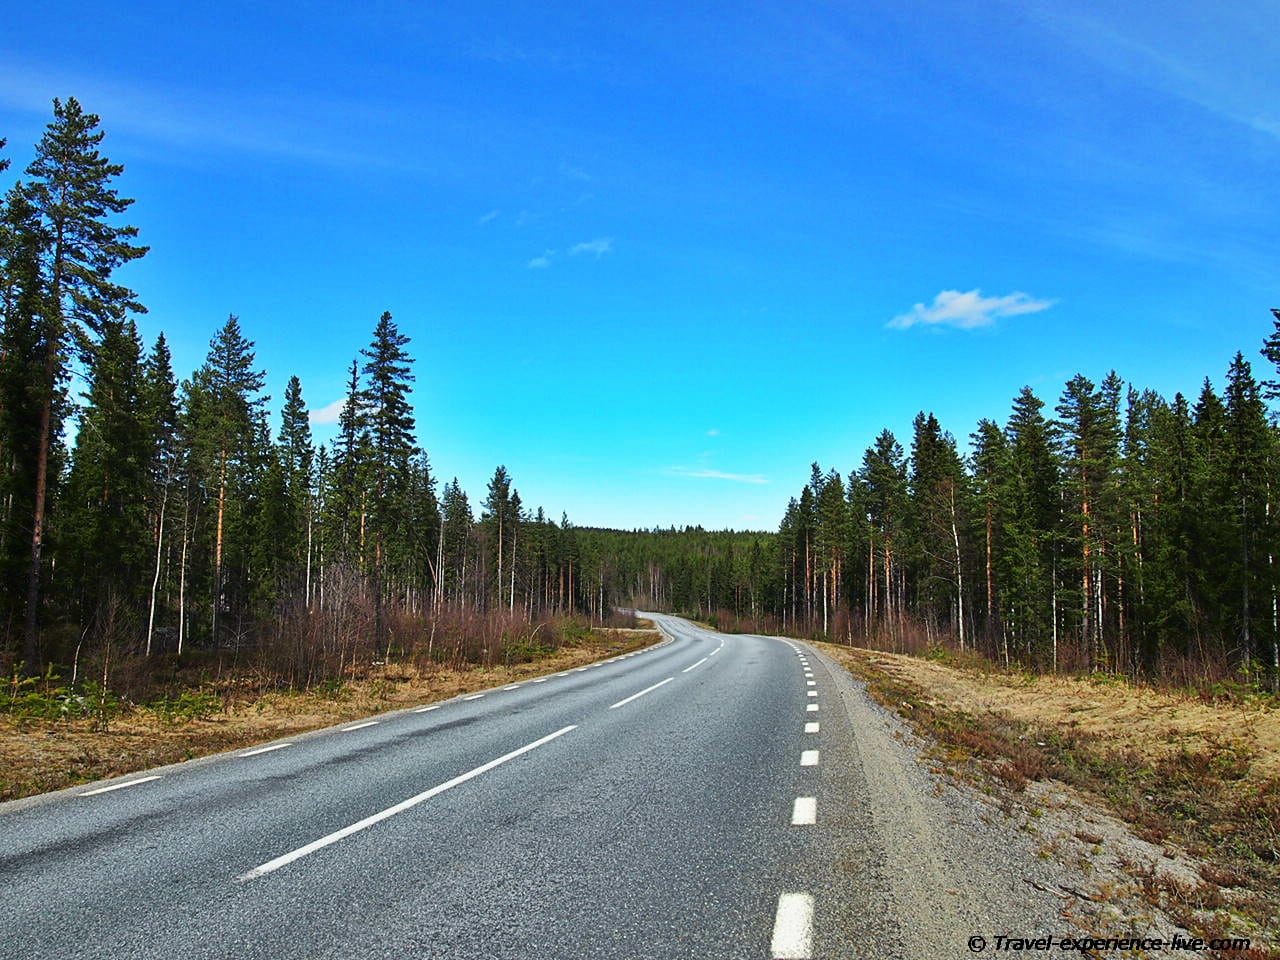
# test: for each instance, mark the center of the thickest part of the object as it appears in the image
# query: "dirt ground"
(41, 755)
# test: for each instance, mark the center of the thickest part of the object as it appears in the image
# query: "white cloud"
(704, 473)
(967, 311)
(489, 217)
(541, 262)
(329, 414)
(599, 247)
(713, 432)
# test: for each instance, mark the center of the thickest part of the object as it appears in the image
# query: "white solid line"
(813, 693)
(793, 927)
(274, 746)
(808, 758)
(811, 727)
(812, 708)
(434, 706)
(622, 703)
(400, 807)
(805, 812)
(698, 664)
(360, 726)
(514, 686)
(120, 786)
(474, 696)
(714, 652)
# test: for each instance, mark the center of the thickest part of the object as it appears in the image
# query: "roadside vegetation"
(1188, 770)
(55, 734)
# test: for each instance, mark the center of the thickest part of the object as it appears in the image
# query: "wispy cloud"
(705, 473)
(541, 262)
(713, 432)
(599, 247)
(329, 414)
(967, 311)
(489, 217)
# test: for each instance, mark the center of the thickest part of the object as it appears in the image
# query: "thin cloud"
(489, 217)
(713, 432)
(329, 414)
(541, 262)
(967, 311)
(704, 473)
(599, 247)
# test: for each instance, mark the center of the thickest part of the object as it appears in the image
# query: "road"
(710, 797)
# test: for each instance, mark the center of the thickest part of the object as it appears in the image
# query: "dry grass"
(1184, 773)
(41, 755)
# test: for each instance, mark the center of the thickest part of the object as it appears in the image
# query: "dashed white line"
(793, 927)
(811, 727)
(120, 786)
(813, 693)
(698, 664)
(808, 758)
(805, 812)
(434, 706)
(359, 726)
(540, 679)
(812, 708)
(274, 746)
(514, 686)
(812, 683)
(474, 696)
(400, 807)
(622, 703)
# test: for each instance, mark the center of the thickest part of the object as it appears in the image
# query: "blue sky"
(657, 258)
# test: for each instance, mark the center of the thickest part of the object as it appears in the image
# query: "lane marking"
(714, 652)
(813, 693)
(808, 758)
(474, 696)
(562, 674)
(805, 812)
(274, 746)
(698, 664)
(514, 686)
(812, 708)
(400, 807)
(540, 680)
(434, 706)
(793, 927)
(622, 703)
(120, 786)
(811, 727)
(812, 683)
(360, 726)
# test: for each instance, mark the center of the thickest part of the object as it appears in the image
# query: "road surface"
(710, 797)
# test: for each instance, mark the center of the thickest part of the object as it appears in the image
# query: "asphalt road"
(703, 798)
(640, 808)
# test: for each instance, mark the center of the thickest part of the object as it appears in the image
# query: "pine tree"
(226, 426)
(160, 412)
(71, 191)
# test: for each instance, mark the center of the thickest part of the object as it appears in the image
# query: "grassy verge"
(1183, 771)
(110, 738)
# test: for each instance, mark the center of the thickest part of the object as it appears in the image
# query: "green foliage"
(187, 706)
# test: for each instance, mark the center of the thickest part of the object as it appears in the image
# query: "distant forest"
(1118, 531)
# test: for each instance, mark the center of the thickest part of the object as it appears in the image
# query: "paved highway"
(704, 798)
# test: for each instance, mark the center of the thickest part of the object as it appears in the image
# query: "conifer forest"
(148, 514)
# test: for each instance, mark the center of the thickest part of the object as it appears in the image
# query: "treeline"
(1117, 531)
(178, 517)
